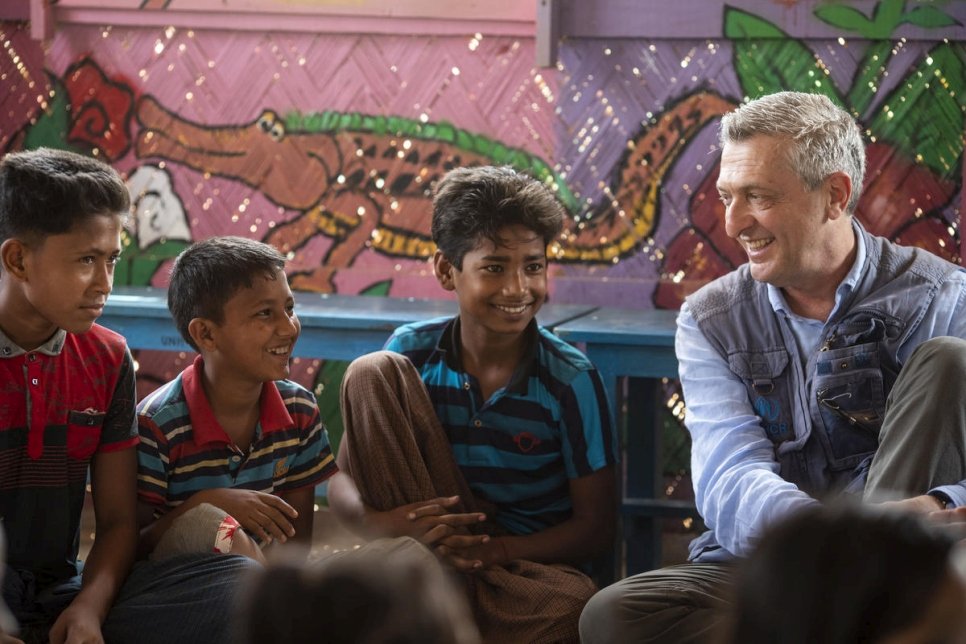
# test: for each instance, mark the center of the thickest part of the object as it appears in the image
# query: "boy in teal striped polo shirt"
(484, 435)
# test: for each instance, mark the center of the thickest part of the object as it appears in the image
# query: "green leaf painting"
(885, 19)
(137, 267)
(50, 128)
(767, 60)
(922, 117)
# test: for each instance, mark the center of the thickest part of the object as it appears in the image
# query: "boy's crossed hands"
(446, 533)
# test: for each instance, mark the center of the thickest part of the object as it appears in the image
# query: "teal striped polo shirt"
(520, 448)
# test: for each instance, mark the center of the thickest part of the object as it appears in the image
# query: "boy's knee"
(375, 363)
(198, 530)
(379, 370)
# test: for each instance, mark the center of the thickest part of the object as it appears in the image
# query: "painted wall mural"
(327, 145)
(213, 142)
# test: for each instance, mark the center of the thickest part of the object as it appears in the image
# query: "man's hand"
(76, 626)
(265, 515)
(952, 521)
(922, 504)
(426, 521)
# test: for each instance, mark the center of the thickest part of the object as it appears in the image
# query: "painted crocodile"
(366, 182)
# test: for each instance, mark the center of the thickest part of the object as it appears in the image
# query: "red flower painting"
(100, 110)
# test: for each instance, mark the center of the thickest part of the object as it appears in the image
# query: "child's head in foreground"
(491, 226)
(230, 299)
(371, 597)
(60, 225)
(847, 574)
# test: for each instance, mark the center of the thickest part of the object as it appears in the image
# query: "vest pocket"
(850, 398)
(763, 373)
(83, 433)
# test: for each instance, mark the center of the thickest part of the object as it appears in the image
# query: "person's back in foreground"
(488, 439)
(230, 442)
(68, 407)
(8, 624)
(857, 575)
(788, 362)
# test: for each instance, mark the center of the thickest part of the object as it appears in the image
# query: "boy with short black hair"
(230, 440)
(67, 406)
(489, 439)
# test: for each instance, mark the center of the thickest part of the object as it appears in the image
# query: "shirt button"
(32, 358)
(7, 351)
(34, 382)
(477, 423)
(466, 385)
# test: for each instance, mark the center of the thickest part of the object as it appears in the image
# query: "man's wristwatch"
(943, 499)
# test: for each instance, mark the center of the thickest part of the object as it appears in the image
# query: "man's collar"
(845, 287)
(272, 413)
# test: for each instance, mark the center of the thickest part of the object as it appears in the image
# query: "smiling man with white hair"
(821, 367)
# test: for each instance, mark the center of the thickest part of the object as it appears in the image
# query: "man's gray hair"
(825, 138)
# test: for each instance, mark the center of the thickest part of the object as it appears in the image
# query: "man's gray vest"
(824, 421)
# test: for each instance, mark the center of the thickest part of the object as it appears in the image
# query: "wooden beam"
(403, 17)
(41, 20)
(548, 32)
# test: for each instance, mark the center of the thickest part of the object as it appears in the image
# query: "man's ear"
(202, 331)
(444, 271)
(12, 255)
(839, 186)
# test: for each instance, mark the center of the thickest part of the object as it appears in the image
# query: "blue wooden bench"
(635, 349)
(334, 327)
